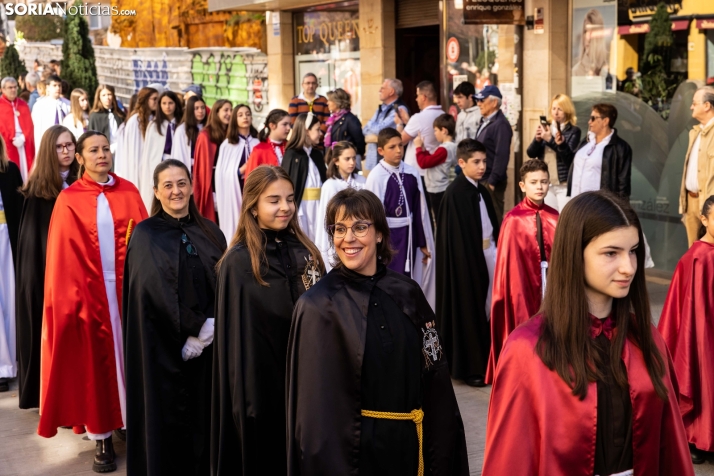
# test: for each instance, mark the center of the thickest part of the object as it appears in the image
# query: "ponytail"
(274, 117)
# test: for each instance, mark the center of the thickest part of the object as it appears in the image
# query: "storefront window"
(327, 44)
(710, 53)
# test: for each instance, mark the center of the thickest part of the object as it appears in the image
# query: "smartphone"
(544, 121)
(557, 126)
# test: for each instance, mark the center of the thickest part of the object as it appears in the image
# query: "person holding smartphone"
(555, 142)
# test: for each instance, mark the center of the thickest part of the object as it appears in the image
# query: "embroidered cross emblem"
(432, 348)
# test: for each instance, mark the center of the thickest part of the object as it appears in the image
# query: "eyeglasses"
(69, 146)
(358, 229)
(190, 249)
(593, 118)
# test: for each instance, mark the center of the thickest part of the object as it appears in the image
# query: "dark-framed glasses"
(69, 146)
(358, 229)
(190, 249)
(594, 118)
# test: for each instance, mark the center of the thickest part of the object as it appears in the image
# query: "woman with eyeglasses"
(269, 264)
(369, 390)
(169, 288)
(55, 169)
(82, 380)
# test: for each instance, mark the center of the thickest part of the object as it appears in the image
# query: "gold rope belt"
(417, 416)
(311, 194)
(3, 220)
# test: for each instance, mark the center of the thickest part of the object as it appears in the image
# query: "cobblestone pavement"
(24, 453)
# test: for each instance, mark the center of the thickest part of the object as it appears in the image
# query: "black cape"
(99, 121)
(295, 163)
(167, 429)
(12, 200)
(326, 353)
(250, 348)
(462, 278)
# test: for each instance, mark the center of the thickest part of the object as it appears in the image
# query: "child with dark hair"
(686, 326)
(469, 117)
(438, 165)
(466, 245)
(524, 247)
(273, 140)
(398, 186)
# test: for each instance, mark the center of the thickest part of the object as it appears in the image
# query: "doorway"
(418, 60)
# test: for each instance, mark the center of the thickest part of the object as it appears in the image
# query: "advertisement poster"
(593, 46)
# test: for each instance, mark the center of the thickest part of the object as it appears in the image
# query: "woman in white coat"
(130, 144)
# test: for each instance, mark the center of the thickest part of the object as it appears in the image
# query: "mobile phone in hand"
(544, 121)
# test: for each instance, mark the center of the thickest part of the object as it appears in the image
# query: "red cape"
(517, 278)
(204, 158)
(262, 154)
(536, 426)
(7, 129)
(78, 385)
(687, 326)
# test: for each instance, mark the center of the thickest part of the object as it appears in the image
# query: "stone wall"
(237, 74)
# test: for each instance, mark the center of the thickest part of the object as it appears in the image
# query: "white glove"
(113, 148)
(192, 348)
(18, 141)
(205, 335)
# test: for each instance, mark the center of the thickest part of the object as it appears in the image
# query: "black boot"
(104, 457)
(697, 454)
(4, 385)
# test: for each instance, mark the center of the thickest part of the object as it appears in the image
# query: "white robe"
(151, 155)
(425, 275)
(307, 213)
(76, 129)
(44, 113)
(229, 196)
(329, 189)
(8, 352)
(130, 144)
(105, 232)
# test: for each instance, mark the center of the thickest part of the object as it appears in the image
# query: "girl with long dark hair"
(106, 116)
(269, 264)
(273, 136)
(589, 374)
(194, 120)
(130, 149)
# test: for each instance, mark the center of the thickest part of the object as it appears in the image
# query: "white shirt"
(587, 165)
(422, 122)
(691, 181)
(44, 113)
(486, 226)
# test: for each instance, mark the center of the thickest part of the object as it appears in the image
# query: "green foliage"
(40, 27)
(78, 67)
(11, 64)
(657, 81)
(485, 59)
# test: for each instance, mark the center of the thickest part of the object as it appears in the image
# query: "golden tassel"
(129, 229)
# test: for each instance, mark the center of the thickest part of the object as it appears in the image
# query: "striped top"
(298, 105)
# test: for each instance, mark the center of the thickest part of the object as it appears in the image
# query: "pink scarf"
(334, 117)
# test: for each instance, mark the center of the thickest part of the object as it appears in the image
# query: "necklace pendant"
(398, 211)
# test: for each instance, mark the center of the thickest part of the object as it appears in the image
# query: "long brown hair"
(98, 107)
(565, 344)
(160, 117)
(300, 128)
(3, 155)
(332, 156)
(249, 232)
(156, 206)
(233, 134)
(190, 123)
(80, 116)
(45, 180)
(142, 108)
(216, 129)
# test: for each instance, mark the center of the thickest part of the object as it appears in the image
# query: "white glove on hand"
(205, 335)
(18, 141)
(191, 349)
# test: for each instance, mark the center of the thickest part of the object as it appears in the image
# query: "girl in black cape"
(369, 391)
(55, 168)
(269, 264)
(168, 322)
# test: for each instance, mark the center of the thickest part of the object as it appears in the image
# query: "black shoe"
(475, 381)
(121, 434)
(104, 457)
(697, 455)
(4, 385)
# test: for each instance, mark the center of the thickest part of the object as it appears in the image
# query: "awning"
(639, 28)
(706, 24)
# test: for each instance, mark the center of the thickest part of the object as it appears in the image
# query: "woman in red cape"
(82, 369)
(587, 387)
(273, 139)
(687, 326)
(204, 157)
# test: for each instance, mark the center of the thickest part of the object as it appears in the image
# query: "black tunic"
(295, 162)
(250, 347)
(168, 295)
(12, 200)
(613, 447)
(340, 364)
(462, 278)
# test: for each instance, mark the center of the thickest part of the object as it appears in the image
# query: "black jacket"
(12, 200)
(99, 121)
(295, 163)
(496, 136)
(563, 152)
(350, 129)
(616, 166)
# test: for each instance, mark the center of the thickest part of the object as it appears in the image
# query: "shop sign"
(706, 24)
(328, 32)
(321, 32)
(494, 12)
(677, 25)
(650, 8)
